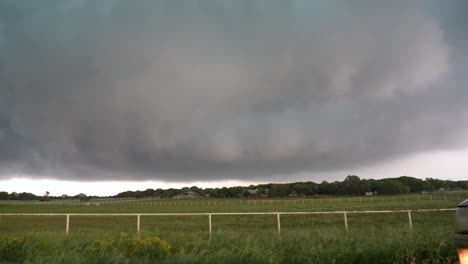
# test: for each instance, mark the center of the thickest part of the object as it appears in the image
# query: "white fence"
(278, 215)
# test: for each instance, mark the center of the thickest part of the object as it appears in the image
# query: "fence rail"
(278, 215)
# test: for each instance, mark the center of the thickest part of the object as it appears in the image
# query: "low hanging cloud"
(205, 90)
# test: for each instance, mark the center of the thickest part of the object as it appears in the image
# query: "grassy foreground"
(321, 246)
(372, 238)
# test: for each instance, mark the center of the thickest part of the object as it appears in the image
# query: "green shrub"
(12, 249)
(100, 247)
(149, 247)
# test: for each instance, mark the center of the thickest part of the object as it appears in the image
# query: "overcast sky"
(171, 93)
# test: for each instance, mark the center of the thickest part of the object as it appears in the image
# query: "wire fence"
(156, 201)
(278, 215)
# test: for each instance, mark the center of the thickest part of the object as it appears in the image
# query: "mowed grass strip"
(169, 224)
(244, 223)
(111, 224)
(312, 223)
(32, 223)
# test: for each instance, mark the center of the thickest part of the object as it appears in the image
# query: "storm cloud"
(204, 90)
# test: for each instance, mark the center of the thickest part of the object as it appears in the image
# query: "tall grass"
(331, 245)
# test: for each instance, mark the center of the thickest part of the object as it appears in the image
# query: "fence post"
(409, 220)
(279, 223)
(346, 221)
(445, 197)
(67, 225)
(209, 223)
(138, 224)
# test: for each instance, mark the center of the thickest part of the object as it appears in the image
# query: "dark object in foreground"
(461, 232)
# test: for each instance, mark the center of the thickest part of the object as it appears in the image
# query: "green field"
(371, 238)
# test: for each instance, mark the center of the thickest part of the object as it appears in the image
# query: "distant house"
(186, 195)
(254, 194)
(369, 193)
(189, 194)
(295, 194)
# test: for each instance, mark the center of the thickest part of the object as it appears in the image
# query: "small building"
(186, 195)
(250, 193)
(369, 193)
(189, 194)
(295, 194)
(254, 194)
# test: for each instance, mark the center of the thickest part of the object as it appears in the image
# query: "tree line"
(351, 185)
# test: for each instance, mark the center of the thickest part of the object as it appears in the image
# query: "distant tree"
(27, 196)
(170, 193)
(261, 190)
(375, 185)
(351, 185)
(393, 187)
(302, 189)
(463, 185)
(437, 184)
(120, 195)
(279, 190)
(451, 185)
(4, 196)
(415, 185)
(328, 188)
(14, 196)
(149, 193)
(82, 197)
(225, 193)
(236, 191)
(139, 194)
(45, 197)
(196, 190)
(314, 187)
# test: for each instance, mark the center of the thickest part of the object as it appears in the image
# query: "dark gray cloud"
(195, 90)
